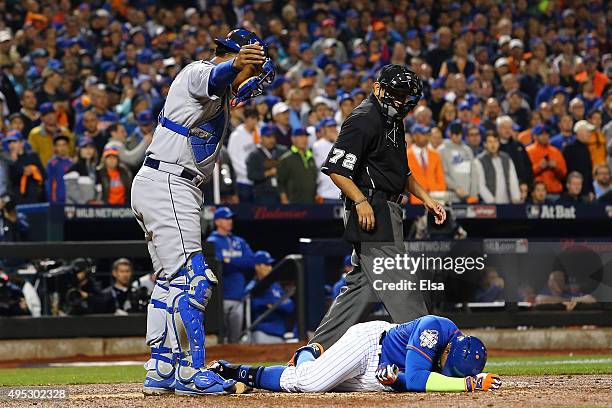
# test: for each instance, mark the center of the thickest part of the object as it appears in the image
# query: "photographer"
(117, 298)
(12, 300)
(14, 226)
(83, 292)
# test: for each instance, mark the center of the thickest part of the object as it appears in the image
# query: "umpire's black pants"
(356, 300)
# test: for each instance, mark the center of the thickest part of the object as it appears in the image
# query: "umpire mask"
(400, 91)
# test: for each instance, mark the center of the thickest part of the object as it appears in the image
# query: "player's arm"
(421, 378)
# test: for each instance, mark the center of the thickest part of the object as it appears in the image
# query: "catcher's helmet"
(253, 86)
(467, 356)
(402, 91)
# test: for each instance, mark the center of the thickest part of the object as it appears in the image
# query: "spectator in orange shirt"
(597, 140)
(425, 162)
(547, 161)
(525, 137)
(591, 73)
(115, 178)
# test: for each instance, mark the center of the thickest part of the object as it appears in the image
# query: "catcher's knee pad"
(188, 322)
(200, 280)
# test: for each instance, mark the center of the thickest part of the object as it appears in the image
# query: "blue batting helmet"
(467, 356)
(253, 86)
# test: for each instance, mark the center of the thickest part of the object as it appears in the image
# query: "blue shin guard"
(188, 322)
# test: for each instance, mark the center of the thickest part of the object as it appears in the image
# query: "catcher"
(425, 355)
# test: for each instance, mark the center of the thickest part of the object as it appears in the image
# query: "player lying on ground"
(426, 354)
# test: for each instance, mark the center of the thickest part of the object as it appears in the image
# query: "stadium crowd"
(517, 97)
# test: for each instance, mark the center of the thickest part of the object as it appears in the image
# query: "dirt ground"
(549, 391)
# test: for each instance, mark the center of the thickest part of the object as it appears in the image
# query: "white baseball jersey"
(349, 365)
(325, 186)
(189, 105)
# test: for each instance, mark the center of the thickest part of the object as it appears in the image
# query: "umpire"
(369, 165)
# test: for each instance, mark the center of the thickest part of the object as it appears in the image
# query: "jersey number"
(349, 160)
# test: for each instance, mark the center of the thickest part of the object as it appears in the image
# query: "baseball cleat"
(206, 383)
(156, 385)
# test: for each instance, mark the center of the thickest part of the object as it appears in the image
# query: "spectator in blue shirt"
(565, 135)
(274, 326)
(237, 258)
(56, 169)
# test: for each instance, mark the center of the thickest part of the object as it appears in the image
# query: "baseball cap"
(504, 39)
(345, 97)
(378, 25)
(583, 125)
(5, 35)
(412, 34)
(13, 136)
(299, 132)
(190, 12)
(46, 107)
(418, 128)
(456, 128)
(539, 129)
(304, 46)
(329, 79)
(516, 43)
(320, 100)
(329, 42)
(308, 73)
(110, 151)
(263, 257)
(145, 117)
(268, 130)
(280, 108)
(438, 83)
(39, 53)
(85, 141)
(465, 105)
(327, 122)
(223, 213)
(501, 62)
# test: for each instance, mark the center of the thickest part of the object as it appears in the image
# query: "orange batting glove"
(483, 382)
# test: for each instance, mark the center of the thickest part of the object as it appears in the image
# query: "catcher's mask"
(399, 92)
(253, 86)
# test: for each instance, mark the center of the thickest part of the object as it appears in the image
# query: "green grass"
(545, 365)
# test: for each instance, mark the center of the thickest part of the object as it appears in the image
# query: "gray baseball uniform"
(167, 204)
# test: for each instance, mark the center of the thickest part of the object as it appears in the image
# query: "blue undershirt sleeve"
(221, 76)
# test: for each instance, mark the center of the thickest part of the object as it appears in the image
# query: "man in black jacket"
(368, 163)
(515, 149)
(261, 167)
(578, 157)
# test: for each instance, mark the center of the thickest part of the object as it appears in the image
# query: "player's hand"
(366, 215)
(437, 209)
(483, 382)
(544, 164)
(251, 54)
(386, 374)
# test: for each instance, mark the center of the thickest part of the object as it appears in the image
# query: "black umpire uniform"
(371, 151)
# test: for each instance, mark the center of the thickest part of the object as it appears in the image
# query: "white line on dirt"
(550, 362)
(96, 364)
